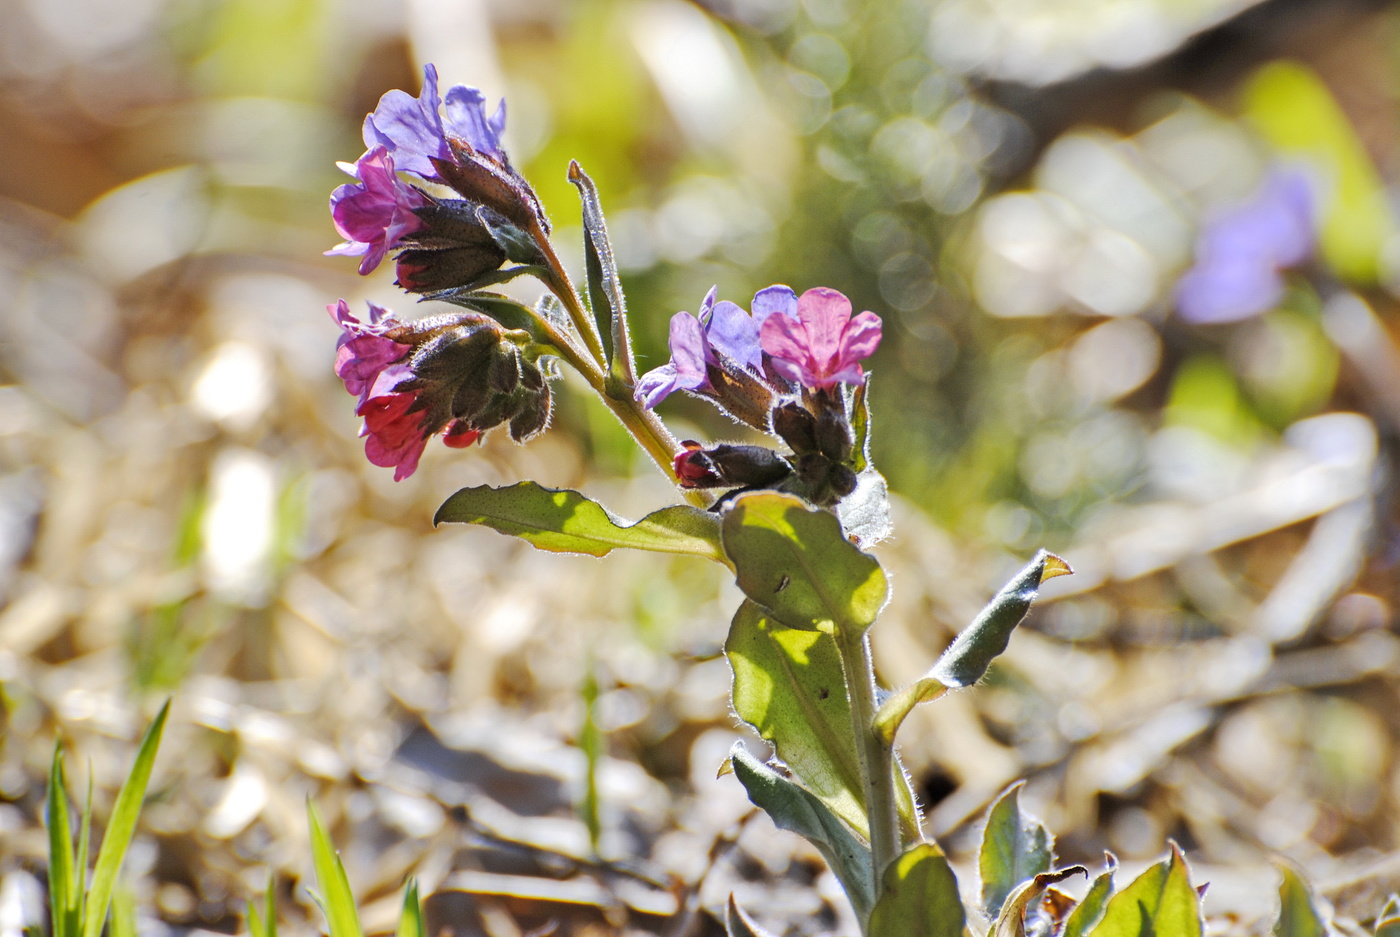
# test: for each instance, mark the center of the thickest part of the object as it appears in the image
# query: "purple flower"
(376, 213)
(1241, 253)
(822, 345)
(721, 333)
(412, 129)
(466, 118)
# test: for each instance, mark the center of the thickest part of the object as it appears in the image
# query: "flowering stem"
(875, 757)
(562, 287)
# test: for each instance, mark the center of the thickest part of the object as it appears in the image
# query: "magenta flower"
(377, 213)
(720, 332)
(362, 351)
(393, 427)
(412, 129)
(822, 345)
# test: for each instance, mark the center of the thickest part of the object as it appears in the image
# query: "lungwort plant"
(793, 517)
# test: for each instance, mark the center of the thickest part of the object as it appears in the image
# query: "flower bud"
(725, 465)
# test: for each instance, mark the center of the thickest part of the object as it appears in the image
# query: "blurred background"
(1138, 263)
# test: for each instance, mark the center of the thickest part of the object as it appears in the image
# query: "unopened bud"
(834, 437)
(504, 372)
(795, 425)
(725, 465)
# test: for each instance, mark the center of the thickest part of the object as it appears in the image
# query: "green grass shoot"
(336, 900)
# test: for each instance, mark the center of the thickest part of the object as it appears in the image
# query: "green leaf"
(859, 407)
(1297, 915)
(1158, 903)
(64, 882)
(738, 924)
(788, 684)
(1090, 910)
(1388, 921)
(80, 891)
(967, 658)
(336, 900)
(264, 924)
(411, 918)
(919, 897)
(120, 828)
(1011, 919)
(796, 562)
(604, 287)
(893, 711)
(1016, 848)
(123, 913)
(564, 521)
(793, 807)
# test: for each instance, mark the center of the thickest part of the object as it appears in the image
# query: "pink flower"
(376, 213)
(823, 346)
(362, 352)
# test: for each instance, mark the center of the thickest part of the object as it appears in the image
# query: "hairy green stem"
(875, 757)
(561, 286)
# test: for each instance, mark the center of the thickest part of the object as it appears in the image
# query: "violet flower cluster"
(781, 367)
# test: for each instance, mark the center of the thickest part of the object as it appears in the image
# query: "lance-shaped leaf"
(1090, 910)
(967, 658)
(1158, 903)
(1297, 913)
(1016, 847)
(737, 922)
(918, 897)
(564, 521)
(795, 561)
(604, 286)
(1011, 919)
(859, 407)
(793, 807)
(121, 827)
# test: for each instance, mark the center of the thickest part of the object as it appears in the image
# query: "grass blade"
(80, 879)
(123, 913)
(121, 827)
(61, 887)
(411, 920)
(337, 902)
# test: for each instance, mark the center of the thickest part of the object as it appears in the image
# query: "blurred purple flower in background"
(376, 213)
(1241, 253)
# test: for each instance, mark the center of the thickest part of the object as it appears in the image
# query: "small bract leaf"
(1158, 903)
(1016, 847)
(919, 897)
(968, 657)
(737, 923)
(1297, 915)
(893, 711)
(563, 521)
(1011, 919)
(1090, 910)
(794, 808)
(865, 512)
(1388, 921)
(795, 561)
